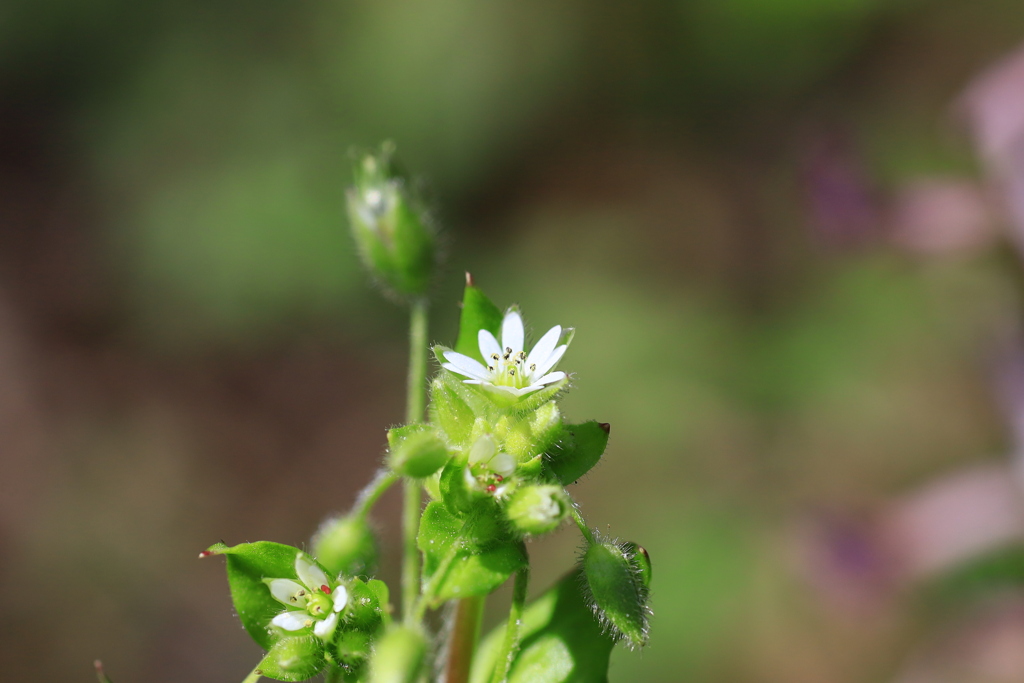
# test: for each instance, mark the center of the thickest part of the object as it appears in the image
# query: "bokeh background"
(784, 231)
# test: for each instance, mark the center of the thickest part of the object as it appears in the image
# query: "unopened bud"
(537, 509)
(618, 581)
(398, 656)
(294, 658)
(352, 648)
(346, 545)
(416, 451)
(390, 228)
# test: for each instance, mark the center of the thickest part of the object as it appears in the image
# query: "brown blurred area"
(787, 262)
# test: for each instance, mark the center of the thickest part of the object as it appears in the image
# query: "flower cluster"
(495, 457)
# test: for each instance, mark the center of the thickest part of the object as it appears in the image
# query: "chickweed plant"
(492, 455)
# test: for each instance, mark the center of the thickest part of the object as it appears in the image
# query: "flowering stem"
(577, 517)
(369, 496)
(254, 676)
(513, 630)
(464, 636)
(415, 406)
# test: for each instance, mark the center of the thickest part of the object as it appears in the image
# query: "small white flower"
(310, 601)
(509, 368)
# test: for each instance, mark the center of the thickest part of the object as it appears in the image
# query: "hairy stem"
(577, 517)
(513, 630)
(415, 406)
(369, 496)
(464, 636)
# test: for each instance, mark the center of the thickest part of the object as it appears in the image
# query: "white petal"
(550, 378)
(542, 349)
(292, 621)
(483, 450)
(472, 381)
(464, 365)
(512, 332)
(552, 360)
(503, 464)
(284, 590)
(324, 629)
(502, 387)
(488, 346)
(309, 573)
(340, 595)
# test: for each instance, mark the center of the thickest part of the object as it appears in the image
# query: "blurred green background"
(189, 351)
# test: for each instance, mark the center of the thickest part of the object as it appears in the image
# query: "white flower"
(509, 368)
(310, 601)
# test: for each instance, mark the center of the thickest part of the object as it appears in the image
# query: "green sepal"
(399, 656)
(531, 434)
(577, 449)
(478, 313)
(453, 406)
(476, 554)
(459, 490)
(561, 641)
(617, 585)
(382, 593)
(532, 468)
(346, 545)
(533, 401)
(247, 565)
(294, 658)
(416, 450)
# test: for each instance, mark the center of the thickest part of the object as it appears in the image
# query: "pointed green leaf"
(478, 313)
(294, 658)
(577, 450)
(248, 564)
(470, 556)
(561, 641)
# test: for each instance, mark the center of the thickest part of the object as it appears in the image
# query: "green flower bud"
(346, 545)
(618, 584)
(416, 451)
(352, 648)
(294, 658)
(537, 509)
(399, 656)
(391, 230)
(364, 605)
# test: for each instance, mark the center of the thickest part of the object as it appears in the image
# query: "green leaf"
(248, 564)
(577, 450)
(617, 576)
(294, 658)
(478, 313)
(470, 556)
(561, 641)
